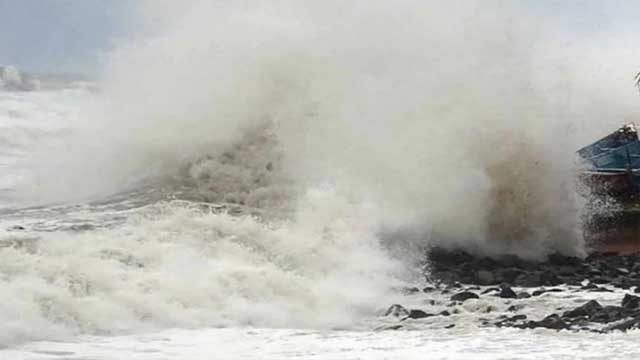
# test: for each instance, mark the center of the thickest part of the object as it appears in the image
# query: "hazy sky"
(69, 35)
(64, 35)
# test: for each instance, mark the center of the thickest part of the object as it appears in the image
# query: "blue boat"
(612, 164)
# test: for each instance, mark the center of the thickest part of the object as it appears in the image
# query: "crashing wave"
(13, 79)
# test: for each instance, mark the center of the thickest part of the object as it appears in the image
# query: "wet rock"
(600, 289)
(514, 308)
(548, 278)
(523, 295)
(509, 321)
(589, 286)
(601, 279)
(428, 289)
(397, 310)
(464, 296)
(609, 314)
(444, 313)
(587, 310)
(630, 302)
(488, 290)
(450, 326)
(633, 323)
(418, 314)
(542, 291)
(552, 321)
(507, 293)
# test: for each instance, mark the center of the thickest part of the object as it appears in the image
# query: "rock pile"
(458, 277)
(622, 271)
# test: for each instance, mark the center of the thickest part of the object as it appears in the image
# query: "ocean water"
(159, 272)
(253, 181)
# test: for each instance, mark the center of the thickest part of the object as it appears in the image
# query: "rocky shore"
(513, 284)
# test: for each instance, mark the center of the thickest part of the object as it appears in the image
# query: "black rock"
(548, 278)
(600, 289)
(630, 302)
(488, 290)
(463, 296)
(428, 289)
(609, 314)
(523, 295)
(510, 320)
(589, 286)
(632, 323)
(587, 310)
(542, 291)
(514, 308)
(507, 293)
(418, 314)
(538, 292)
(601, 279)
(444, 313)
(450, 326)
(553, 321)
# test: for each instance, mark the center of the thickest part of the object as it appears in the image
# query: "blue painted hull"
(612, 164)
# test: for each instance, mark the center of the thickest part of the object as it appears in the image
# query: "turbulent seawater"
(173, 269)
(261, 181)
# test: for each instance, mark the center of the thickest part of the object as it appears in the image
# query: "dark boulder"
(587, 310)
(509, 321)
(507, 293)
(542, 291)
(609, 314)
(552, 321)
(548, 278)
(418, 314)
(630, 302)
(464, 296)
(633, 323)
(488, 290)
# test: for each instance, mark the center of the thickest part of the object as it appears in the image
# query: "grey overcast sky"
(69, 35)
(58, 35)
